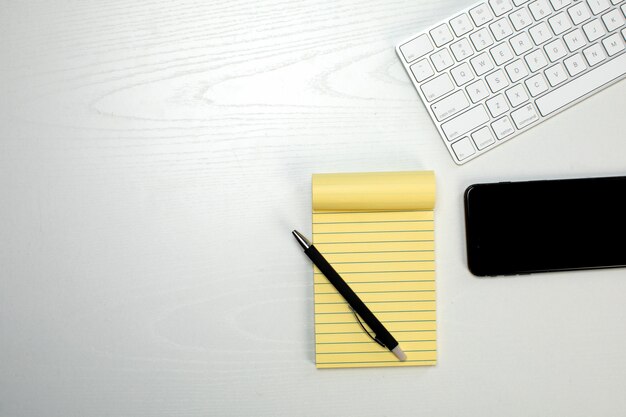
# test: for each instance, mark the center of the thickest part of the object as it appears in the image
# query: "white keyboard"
(500, 67)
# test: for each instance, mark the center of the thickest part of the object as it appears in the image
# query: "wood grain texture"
(144, 145)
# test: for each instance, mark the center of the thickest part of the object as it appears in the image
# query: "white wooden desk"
(154, 157)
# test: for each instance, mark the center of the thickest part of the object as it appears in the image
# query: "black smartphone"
(540, 226)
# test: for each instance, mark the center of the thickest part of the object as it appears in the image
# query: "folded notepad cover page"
(377, 230)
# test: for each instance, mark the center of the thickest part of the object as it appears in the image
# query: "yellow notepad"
(377, 230)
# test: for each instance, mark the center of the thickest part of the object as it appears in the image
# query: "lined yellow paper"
(377, 230)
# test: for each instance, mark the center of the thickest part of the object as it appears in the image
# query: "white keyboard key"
(516, 95)
(450, 105)
(575, 64)
(516, 70)
(416, 48)
(520, 19)
(536, 85)
(461, 24)
(501, 53)
(574, 40)
(437, 87)
(481, 64)
(481, 39)
(594, 54)
(540, 33)
(501, 29)
(481, 14)
(462, 74)
(536, 60)
(613, 44)
(556, 75)
(540, 9)
(461, 49)
(502, 127)
(559, 4)
(497, 105)
(598, 6)
(463, 149)
(519, 2)
(521, 43)
(441, 35)
(582, 85)
(615, 1)
(524, 116)
(471, 119)
(560, 23)
(579, 13)
(613, 20)
(555, 50)
(594, 30)
(483, 138)
(500, 7)
(442, 59)
(497, 80)
(422, 70)
(477, 91)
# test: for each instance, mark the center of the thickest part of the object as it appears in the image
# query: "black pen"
(382, 335)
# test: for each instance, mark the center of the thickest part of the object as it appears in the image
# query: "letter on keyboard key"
(579, 13)
(461, 25)
(613, 44)
(463, 148)
(524, 116)
(437, 87)
(500, 7)
(481, 14)
(450, 105)
(416, 48)
(502, 127)
(483, 138)
(613, 20)
(582, 85)
(467, 121)
(598, 6)
(422, 70)
(441, 35)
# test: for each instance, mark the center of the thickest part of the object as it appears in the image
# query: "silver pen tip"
(399, 353)
(303, 241)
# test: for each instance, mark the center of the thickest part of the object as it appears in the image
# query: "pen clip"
(374, 338)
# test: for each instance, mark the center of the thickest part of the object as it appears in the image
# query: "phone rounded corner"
(477, 272)
(468, 190)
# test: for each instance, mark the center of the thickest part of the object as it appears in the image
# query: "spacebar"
(585, 84)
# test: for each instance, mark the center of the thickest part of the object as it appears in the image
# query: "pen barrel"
(350, 296)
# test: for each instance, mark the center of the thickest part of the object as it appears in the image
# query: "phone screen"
(539, 226)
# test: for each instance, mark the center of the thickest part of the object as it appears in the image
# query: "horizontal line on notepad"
(374, 352)
(379, 282)
(377, 292)
(361, 332)
(376, 221)
(374, 241)
(378, 272)
(386, 321)
(369, 362)
(383, 262)
(387, 301)
(381, 312)
(371, 211)
(369, 341)
(376, 251)
(374, 231)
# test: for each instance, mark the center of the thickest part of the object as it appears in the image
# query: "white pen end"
(399, 353)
